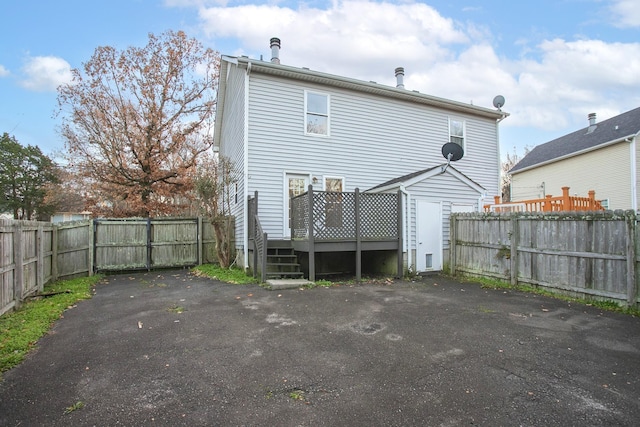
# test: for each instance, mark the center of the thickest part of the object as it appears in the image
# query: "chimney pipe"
(275, 50)
(400, 78)
(592, 119)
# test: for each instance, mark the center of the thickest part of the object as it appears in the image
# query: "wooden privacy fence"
(35, 253)
(148, 243)
(588, 254)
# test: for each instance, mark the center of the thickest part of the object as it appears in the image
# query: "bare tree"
(509, 162)
(136, 121)
(214, 186)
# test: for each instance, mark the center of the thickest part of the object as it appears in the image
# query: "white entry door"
(295, 185)
(429, 236)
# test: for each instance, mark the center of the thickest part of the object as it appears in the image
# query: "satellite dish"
(452, 151)
(498, 101)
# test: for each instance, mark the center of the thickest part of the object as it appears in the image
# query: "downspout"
(405, 222)
(634, 172)
(246, 166)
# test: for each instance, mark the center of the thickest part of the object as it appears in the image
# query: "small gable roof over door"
(425, 174)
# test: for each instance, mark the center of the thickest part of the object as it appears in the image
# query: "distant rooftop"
(617, 128)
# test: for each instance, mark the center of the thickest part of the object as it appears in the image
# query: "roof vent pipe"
(400, 78)
(275, 50)
(592, 122)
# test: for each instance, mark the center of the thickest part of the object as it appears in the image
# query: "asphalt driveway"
(173, 349)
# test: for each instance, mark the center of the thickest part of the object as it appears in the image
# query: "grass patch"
(228, 275)
(607, 305)
(74, 407)
(21, 329)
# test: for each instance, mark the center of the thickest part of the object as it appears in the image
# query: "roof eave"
(576, 153)
(304, 74)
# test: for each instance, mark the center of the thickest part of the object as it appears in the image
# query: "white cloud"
(552, 86)
(45, 73)
(3, 71)
(626, 13)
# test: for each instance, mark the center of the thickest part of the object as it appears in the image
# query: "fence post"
(54, 253)
(200, 239)
(513, 257)
(453, 237)
(18, 279)
(632, 291)
(40, 256)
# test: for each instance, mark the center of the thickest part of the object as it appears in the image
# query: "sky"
(553, 61)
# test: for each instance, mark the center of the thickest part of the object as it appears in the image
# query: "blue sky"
(554, 61)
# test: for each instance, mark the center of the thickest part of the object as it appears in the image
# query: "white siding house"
(286, 128)
(602, 157)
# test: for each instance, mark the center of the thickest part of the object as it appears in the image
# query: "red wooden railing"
(549, 204)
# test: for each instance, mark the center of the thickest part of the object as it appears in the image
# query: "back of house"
(286, 128)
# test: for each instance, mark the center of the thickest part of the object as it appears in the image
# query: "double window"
(316, 108)
(457, 131)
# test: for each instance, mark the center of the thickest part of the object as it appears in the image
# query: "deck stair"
(282, 262)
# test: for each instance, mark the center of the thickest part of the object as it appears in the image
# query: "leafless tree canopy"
(136, 121)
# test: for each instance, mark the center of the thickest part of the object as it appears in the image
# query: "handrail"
(260, 241)
(551, 204)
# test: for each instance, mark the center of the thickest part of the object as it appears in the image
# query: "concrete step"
(277, 284)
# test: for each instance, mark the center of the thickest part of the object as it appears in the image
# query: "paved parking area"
(170, 348)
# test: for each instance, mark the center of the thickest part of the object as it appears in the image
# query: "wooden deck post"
(312, 252)
(566, 200)
(547, 204)
(592, 200)
(358, 235)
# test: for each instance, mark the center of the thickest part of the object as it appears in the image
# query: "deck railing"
(324, 215)
(336, 221)
(548, 204)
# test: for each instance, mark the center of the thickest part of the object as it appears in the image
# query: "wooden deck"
(324, 222)
(564, 203)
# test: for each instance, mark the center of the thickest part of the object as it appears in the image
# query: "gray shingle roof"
(618, 127)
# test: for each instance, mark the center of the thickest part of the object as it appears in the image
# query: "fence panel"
(174, 243)
(74, 249)
(120, 244)
(584, 253)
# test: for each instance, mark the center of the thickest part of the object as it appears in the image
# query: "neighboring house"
(288, 128)
(602, 157)
(69, 216)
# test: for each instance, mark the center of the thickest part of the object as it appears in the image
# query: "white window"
(316, 107)
(457, 131)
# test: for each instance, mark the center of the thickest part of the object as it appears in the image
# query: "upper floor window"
(316, 106)
(456, 131)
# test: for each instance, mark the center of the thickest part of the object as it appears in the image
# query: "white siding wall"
(606, 171)
(441, 188)
(372, 140)
(232, 141)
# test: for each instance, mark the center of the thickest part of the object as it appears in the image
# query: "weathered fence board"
(585, 253)
(35, 253)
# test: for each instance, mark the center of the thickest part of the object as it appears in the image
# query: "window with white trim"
(457, 131)
(316, 108)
